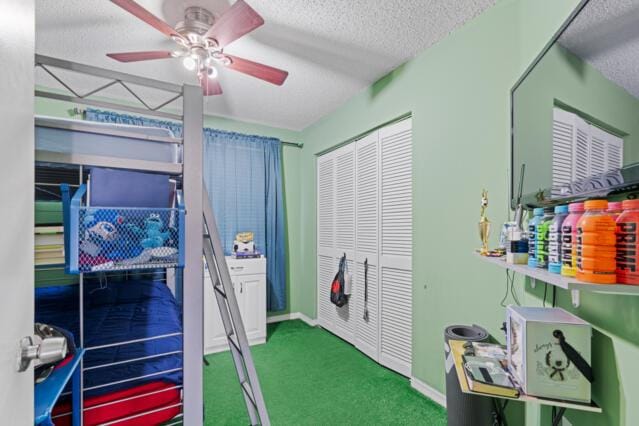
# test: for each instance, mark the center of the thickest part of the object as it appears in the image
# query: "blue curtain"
(243, 175)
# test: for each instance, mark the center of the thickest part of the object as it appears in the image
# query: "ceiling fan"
(201, 40)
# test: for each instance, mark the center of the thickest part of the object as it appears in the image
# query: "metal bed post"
(78, 388)
(193, 274)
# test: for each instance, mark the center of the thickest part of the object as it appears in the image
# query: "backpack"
(339, 292)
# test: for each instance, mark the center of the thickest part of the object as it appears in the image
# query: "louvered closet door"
(598, 148)
(367, 227)
(396, 242)
(614, 153)
(606, 151)
(581, 153)
(345, 233)
(563, 134)
(326, 266)
(570, 152)
(581, 150)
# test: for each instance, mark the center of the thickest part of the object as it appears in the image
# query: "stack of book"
(247, 255)
(487, 370)
(49, 245)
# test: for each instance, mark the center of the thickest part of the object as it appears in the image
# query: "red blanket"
(139, 399)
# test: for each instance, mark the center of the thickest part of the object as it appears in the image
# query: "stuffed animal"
(105, 231)
(93, 216)
(152, 235)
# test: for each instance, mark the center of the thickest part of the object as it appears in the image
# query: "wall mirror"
(575, 111)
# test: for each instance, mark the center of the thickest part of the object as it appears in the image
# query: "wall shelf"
(566, 283)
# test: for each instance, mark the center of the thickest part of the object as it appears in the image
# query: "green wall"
(458, 93)
(565, 78)
(290, 162)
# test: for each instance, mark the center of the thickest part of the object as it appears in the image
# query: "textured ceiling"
(606, 35)
(332, 48)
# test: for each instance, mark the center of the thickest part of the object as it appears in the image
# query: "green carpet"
(311, 377)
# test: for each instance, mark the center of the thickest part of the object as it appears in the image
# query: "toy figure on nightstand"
(244, 246)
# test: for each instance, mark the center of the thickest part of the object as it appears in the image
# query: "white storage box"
(537, 361)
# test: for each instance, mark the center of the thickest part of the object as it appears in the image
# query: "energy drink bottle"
(596, 241)
(614, 208)
(569, 240)
(532, 236)
(628, 243)
(541, 242)
(554, 239)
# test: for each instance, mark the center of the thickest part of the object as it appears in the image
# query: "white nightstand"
(249, 280)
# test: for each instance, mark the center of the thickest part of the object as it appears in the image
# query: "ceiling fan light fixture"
(193, 37)
(201, 39)
(179, 40)
(222, 59)
(189, 63)
(211, 72)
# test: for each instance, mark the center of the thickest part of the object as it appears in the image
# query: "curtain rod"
(80, 111)
(365, 133)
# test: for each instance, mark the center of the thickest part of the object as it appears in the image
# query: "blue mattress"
(122, 311)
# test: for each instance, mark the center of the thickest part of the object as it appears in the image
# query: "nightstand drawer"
(246, 266)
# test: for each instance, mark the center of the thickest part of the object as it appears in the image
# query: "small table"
(457, 349)
(47, 393)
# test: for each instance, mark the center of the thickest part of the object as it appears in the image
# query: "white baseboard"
(310, 321)
(222, 345)
(278, 318)
(428, 391)
(292, 316)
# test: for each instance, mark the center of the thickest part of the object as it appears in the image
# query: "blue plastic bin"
(121, 238)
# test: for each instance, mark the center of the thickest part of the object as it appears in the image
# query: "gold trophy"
(484, 224)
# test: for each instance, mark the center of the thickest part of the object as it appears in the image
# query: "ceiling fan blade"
(240, 19)
(210, 87)
(140, 56)
(257, 70)
(143, 14)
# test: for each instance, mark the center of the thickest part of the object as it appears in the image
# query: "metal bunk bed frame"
(192, 119)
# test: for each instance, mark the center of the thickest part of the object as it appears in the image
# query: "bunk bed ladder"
(231, 318)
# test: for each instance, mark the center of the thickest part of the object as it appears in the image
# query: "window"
(581, 150)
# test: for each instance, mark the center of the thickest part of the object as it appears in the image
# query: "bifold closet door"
(336, 234)
(326, 264)
(364, 209)
(396, 244)
(345, 233)
(367, 227)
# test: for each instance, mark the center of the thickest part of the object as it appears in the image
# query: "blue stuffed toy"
(152, 235)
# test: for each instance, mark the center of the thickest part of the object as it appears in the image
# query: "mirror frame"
(520, 80)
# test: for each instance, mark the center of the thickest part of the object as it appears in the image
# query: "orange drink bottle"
(596, 244)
